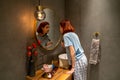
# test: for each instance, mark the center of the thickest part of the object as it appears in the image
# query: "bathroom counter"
(59, 75)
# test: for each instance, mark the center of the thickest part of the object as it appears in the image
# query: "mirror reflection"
(47, 31)
(42, 34)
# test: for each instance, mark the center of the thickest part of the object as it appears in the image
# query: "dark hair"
(42, 25)
(67, 26)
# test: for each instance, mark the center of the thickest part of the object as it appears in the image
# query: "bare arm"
(62, 44)
(72, 54)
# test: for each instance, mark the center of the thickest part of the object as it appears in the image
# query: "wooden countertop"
(59, 75)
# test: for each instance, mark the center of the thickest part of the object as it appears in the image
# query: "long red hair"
(66, 26)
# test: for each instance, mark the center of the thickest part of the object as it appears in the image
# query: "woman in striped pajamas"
(74, 50)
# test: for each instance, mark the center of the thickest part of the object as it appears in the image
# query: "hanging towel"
(95, 52)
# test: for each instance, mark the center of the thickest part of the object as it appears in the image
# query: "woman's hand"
(71, 71)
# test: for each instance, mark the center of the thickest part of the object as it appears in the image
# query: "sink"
(63, 61)
(49, 75)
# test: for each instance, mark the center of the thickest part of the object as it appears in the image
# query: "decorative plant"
(31, 59)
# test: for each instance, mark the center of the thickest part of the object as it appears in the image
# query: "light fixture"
(39, 13)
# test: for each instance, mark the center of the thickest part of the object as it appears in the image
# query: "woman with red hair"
(74, 50)
(42, 35)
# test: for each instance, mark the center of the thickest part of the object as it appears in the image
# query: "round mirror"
(47, 31)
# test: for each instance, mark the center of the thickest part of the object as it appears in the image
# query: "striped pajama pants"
(80, 72)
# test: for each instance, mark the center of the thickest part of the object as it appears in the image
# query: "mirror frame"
(40, 46)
